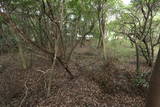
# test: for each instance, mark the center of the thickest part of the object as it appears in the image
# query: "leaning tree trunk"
(154, 91)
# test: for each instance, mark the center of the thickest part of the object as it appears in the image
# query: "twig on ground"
(26, 93)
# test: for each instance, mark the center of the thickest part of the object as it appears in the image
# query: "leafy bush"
(142, 79)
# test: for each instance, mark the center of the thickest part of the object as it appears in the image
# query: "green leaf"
(1, 19)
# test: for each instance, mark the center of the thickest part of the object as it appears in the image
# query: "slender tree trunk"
(154, 91)
(104, 48)
(20, 49)
(100, 44)
(102, 22)
(21, 53)
(61, 41)
(77, 42)
(137, 58)
(24, 64)
(100, 18)
(152, 49)
(51, 72)
(148, 54)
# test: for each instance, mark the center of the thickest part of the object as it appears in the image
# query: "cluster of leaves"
(142, 79)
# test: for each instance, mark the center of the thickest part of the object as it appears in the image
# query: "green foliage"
(120, 49)
(142, 79)
(23, 3)
(1, 19)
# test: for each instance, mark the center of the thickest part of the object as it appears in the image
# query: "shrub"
(142, 79)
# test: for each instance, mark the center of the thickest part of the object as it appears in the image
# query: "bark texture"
(154, 91)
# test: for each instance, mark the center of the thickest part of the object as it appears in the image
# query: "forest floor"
(96, 83)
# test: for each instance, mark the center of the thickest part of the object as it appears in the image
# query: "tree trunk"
(149, 62)
(154, 91)
(102, 30)
(51, 72)
(22, 56)
(137, 58)
(61, 49)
